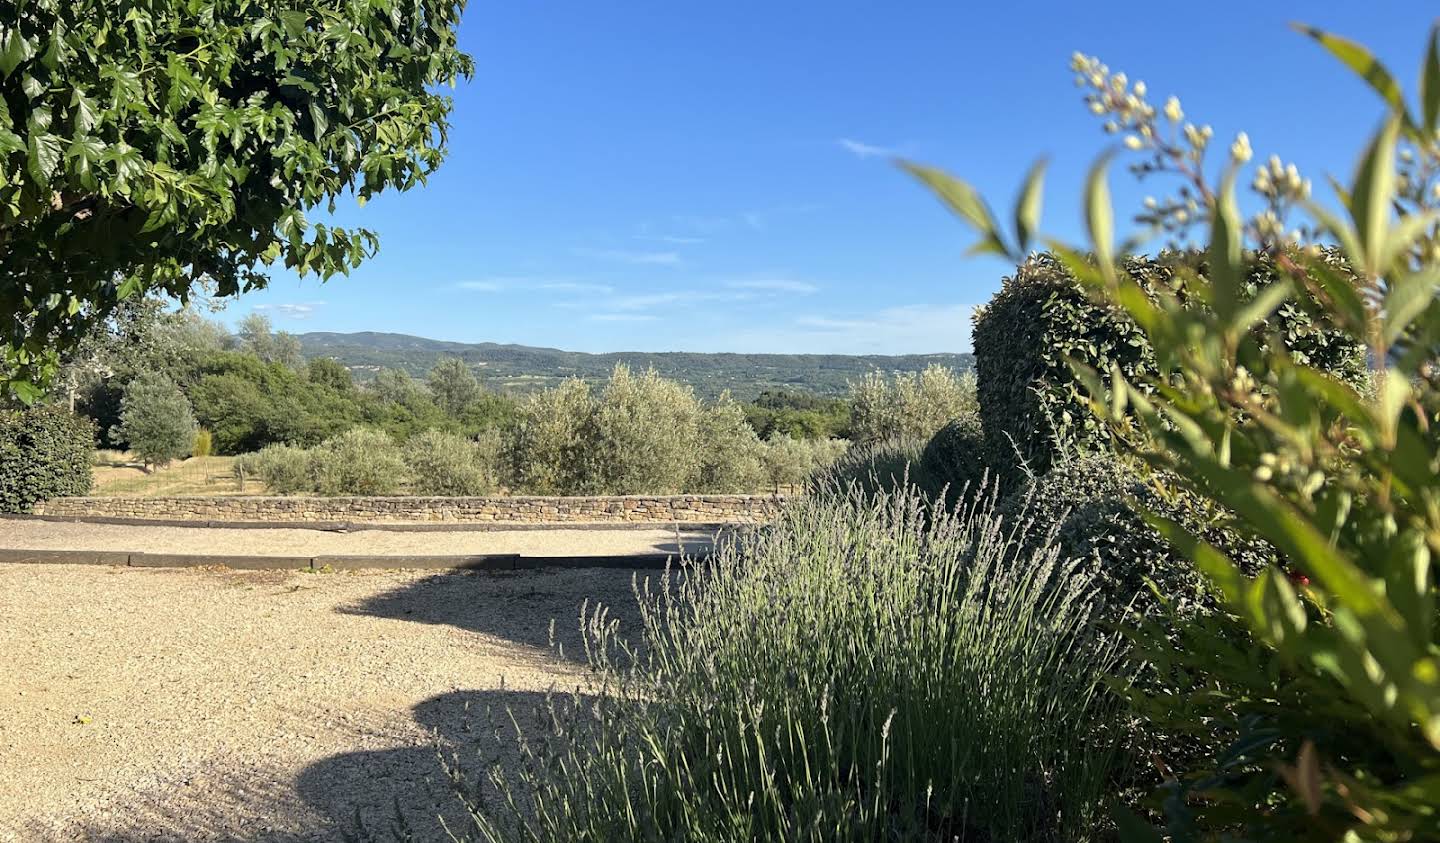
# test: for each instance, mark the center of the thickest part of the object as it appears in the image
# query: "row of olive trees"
(643, 434)
(638, 434)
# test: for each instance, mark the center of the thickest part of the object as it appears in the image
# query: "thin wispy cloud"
(639, 258)
(576, 287)
(481, 286)
(622, 317)
(909, 329)
(863, 150)
(291, 310)
(775, 285)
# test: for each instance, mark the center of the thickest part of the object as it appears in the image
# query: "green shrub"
(909, 406)
(45, 453)
(447, 464)
(1030, 400)
(954, 458)
(642, 438)
(876, 468)
(544, 448)
(284, 469)
(203, 444)
(362, 461)
(865, 669)
(1093, 503)
(732, 457)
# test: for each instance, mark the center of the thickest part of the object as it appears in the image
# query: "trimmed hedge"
(1090, 501)
(1029, 399)
(954, 458)
(45, 452)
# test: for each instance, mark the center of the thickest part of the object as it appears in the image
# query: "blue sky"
(661, 175)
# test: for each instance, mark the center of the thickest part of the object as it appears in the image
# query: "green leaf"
(86, 111)
(1366, 66)
(1430, 82)
(1227, 269)
(967, 203)
(15, 49)
(1371, 196)
(1100, 214)
(1028, 206)
(317, 115)
(44, 157)
(1408, 296)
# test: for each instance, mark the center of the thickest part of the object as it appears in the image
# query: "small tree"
(732, 457)
(642, 437)
(454, 386)
(788, 461)
(544, 447)
(909, 406)
(156, 419)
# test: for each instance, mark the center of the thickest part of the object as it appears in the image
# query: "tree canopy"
(148, 145)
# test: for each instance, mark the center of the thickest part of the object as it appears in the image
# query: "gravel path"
(52, 535)
(210, 705)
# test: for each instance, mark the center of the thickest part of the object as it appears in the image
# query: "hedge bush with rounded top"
(45, 452)
(1092, 502)
(954, 458)
(1030, 402)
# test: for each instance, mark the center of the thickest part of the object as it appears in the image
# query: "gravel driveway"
(53, 535)
(198, 704)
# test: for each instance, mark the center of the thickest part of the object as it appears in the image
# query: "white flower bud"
(1240, 150)
(1140, 89)
(1172, 110)
(1134, 142)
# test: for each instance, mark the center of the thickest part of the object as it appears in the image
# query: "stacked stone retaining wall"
(536, 510)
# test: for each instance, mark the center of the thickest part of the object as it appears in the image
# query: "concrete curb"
(486, 562)
(399, 527)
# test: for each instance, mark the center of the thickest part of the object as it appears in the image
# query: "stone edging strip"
(484, 562)
(399, 527)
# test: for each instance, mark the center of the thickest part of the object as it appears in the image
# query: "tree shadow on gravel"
(398, 794)
(517, 606)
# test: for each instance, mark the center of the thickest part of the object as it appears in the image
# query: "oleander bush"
(1029, 334)
(45, 452)
(868, 668)
(448, 464)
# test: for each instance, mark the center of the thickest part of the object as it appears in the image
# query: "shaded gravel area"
(208, 704)
(52, 535)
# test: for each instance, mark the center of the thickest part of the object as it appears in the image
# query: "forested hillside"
(520, 368)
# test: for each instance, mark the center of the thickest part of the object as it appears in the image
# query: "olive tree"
(150, 146)
(156, 420)
(732, 457)
(453, 385)
(909, 406)
(642, 437)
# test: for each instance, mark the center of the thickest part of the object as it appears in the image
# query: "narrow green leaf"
(1430, 83)
(317, 115)
(966, 202)
(1227, 264)
(1372, 193)
(1028, 206)
(1100, 215)
(1408, 295)
(1365, 65)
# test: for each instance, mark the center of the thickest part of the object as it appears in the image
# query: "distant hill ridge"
(523, 368)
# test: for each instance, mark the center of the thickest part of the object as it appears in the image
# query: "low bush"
(1092, 503)
(876, 468)
(954, 458)
(448, 464)
(865, 669)
(362, 461)
(45, 452)
(284, 469)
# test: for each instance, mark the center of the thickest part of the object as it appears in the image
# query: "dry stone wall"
(525, 510)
